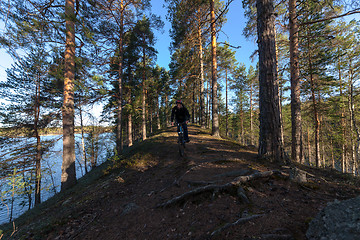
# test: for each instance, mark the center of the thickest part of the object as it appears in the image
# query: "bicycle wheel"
(181, 146)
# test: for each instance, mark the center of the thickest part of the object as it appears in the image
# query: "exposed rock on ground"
(339, 220)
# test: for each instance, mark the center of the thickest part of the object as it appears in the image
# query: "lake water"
(53, 161)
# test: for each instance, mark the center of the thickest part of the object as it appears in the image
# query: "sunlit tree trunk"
(130, 133)
(143, 102)
(208, 105)
(252, 138)
(202, 100)
(226, 103)
(83, 138)
(215, 114)
(296, 135)
(270, 137)
(68, 175)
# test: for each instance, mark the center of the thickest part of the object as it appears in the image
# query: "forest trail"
(121, 201)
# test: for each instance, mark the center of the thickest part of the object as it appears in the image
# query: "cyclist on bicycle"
(182, 116)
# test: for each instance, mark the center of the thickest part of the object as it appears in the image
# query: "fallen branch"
(242, 179)
(239, 221)
(277, 236)
(199, 183)
(219, 188)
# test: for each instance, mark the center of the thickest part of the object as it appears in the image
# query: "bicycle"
(181, 140)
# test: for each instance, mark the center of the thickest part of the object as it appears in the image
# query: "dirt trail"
(122, 204)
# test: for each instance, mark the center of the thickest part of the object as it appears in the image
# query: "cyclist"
(182, 116)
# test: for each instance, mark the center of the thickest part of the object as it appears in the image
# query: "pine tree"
(270, 139)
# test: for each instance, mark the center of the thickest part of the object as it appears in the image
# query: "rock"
(298, 175)
(242, 195)
(129, 208)
(340, 220)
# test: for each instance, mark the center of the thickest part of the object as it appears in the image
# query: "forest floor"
(125, 199)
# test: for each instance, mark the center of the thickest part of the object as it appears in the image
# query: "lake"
(53, 162)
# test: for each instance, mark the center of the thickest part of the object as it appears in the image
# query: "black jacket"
(181, 115)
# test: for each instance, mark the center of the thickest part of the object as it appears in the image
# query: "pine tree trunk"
(309, 147)
(332, 154)
(193, 102)
(130, 137)
(202, 100)
(215, 114)
(317, 125)
(150, 120)
(343, 124)
(166, 110)
(119, 142)
(242, 126)
(270, 140)
(208, 105)
(83, 138)
(38, 144)
(144, 99)
(158, 114)
(68, 175)
(356, 148)
(315, 108)
(226, 103)
(252, 138)
(38, 170)
(296, 135)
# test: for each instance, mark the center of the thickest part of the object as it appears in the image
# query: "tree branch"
(331, 18)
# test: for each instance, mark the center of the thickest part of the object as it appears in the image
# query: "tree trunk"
(309, 147)
(215, 114)
(193, 102)
(270, 140)
(130, 137)
(315, 109)
(202, 100)
(356, 148)
(252, 141)
(242, 125)
(144, 99)
(226, 103)
(166, 110)
(317, 125)
(208, 105)
(68, 175)
(38, 146)
(158, 114)
(83, 138)
(343, 124)
(119, 142)
(296, 135)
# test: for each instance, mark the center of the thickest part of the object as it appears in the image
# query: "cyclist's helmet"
(178, 101)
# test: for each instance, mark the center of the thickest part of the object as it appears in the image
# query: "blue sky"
(231, 32)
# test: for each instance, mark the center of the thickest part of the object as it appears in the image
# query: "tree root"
(277, 237)
(239, 221)
(215, 188)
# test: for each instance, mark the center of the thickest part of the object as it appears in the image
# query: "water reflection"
(52, 161)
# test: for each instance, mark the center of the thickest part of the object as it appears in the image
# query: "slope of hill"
(153, 193)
